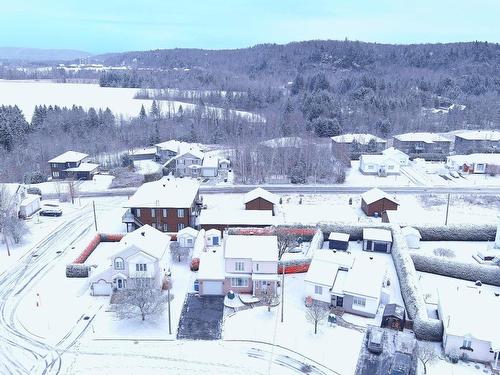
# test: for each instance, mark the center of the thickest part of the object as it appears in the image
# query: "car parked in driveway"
(375, 341)
(50, 209)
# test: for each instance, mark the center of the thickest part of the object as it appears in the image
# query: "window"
(153, 212)
(318, 289)
(189, 241)
(239, 266)
(141, 267)
(180, 161)
(239, 282)
(256, 266)
(467, 344)
(55, 174)
(359, 301)
(164, 212)
(119, 265)
(180, 212)
(138, 212)
(180, 226)
(165, 227)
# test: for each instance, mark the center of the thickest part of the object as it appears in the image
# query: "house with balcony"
(355, 144)
(143, 254)
(422, 143)
(188, 163)
(169, 205)
(245, 264)
(74, 165)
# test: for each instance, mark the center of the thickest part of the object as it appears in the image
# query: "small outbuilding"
(375, 239)
(213, 237)
(412, 237)
(260, 199)
(186, 237)
(375, 202)
(394, 317)
(29, 205)
(338, 241)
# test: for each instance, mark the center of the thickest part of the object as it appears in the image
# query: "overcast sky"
(110, 25)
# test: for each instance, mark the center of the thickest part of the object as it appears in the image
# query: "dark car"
(401, 364)
(50, 209)
(35, 191)
(375, 341)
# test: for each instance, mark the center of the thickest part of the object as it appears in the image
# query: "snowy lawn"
(147, 166)
(463, 250)
(98, 183)
(296, 333)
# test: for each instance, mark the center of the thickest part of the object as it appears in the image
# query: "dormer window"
(119, 264)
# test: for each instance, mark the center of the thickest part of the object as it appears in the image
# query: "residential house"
(412, 237)
(224, 219)
(186, 237)
(376, 239)
(375, 202)
(141, 254)
(355, 144)
(167, 150)
(475, 163)
(169, 204)
(22, 204)
(189, 163)
(353, 284)
(398, 155)
(470, 329)
(477, 141)
(74, 165)
(338, 241)
(224, 164)
(260, 199)
(146, 153)
(380, 165)
(422, 143)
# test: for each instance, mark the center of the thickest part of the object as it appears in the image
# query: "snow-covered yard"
(462, 250)
(100, 182)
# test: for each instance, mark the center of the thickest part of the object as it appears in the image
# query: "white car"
(50, 209)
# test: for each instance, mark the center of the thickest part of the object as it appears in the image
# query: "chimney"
(497, 237)
(143, 234)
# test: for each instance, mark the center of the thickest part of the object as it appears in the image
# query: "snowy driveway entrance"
(201, 318)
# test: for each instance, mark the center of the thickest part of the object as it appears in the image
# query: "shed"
(213, 237)
(375, 202)
(394, 317)
(375, 239)
(29, 205)
(412, 237)
(186, 237)
(339, 241)
(260, 199)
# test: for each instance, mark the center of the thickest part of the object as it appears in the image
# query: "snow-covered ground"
(119, 100)
(147, 166)
(100, 182)
(463, 250)
(296, 333)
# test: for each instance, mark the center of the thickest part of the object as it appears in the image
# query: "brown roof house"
(260, 199)
(375, 202)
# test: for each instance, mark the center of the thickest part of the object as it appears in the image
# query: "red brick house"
(260, 199)
(168, 205)
(376, 201)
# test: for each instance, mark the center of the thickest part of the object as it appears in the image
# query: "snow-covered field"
(28, 94)
(463, 250)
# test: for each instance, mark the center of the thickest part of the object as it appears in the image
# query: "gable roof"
(366, 276)
(146, 239)
(394, 152)
(260, 193)
(69, 157)
(421, 137)
(360, 138)
(191, 151)
(187, 231)
(376, 194)
(167, 192)
(257, 248)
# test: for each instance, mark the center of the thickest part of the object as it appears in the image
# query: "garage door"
(101, 288)
(212, 288)
(377, 246)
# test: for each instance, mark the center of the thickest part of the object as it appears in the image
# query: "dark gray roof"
(393, 309)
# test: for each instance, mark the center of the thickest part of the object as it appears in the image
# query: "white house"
(412, 237)
(470, 324)
(141, 254)
(186, 237)
(213, 237)
(354, 284)
(475, 163)
(376, 239)
(210, 166)
(23, 204)
(381, 165)
(398, 155)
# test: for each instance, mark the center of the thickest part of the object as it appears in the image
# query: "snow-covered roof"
(257, 248)
(143, 151)
(83, 167)
(147, 239)
(377, 159)
(376, 194)
(191, 151)
(69, 157)
(187, 231)
(213, 232)
(236, 217)
(480, 135)
(336, 236)
(469, 318)
(167, 192)
(363, 139)
(30, 198)
(210, 162)
(366, 276)
(475, 159)
(211, 265)
(171, 145)
(260, 193)
(224, 161)
(284, 142)
(377, 234)
(410, 231)
(394, 152)
(421, 137)
(325, 265)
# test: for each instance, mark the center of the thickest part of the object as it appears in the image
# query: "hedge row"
(457, 232)
(488, 274)
(96, 240)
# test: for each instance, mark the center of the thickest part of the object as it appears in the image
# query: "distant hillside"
(39, 54)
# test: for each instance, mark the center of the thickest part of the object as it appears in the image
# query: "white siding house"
(398, 155)
(381, 165)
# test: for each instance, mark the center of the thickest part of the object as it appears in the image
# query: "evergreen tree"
(142, 113)
(154, 111)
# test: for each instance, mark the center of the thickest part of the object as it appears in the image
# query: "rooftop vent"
(143, 234)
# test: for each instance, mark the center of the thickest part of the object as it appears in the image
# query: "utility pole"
(282, 289)
(168, 302)
(6, 242)
(95, 217)
(447, 210)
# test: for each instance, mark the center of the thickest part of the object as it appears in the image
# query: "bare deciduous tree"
(316, 313)
(141, 298)
(11, 226)
(426, 354)
(286, 240)
(178, 251)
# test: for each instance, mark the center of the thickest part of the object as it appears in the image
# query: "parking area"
(201, 318)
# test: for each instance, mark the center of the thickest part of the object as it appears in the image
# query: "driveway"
(201, 318)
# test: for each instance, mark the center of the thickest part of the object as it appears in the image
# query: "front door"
(340, 301)
(215, 241)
